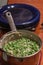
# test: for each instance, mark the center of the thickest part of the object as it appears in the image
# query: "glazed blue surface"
(35, 11)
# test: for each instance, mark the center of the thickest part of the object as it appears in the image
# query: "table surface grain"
(38, 4)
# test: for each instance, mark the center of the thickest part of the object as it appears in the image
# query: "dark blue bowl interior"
(23, 15)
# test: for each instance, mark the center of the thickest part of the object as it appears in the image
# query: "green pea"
(21, 47)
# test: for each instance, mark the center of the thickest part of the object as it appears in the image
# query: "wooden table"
(39, 29)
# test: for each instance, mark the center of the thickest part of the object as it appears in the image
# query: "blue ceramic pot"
(24, 15)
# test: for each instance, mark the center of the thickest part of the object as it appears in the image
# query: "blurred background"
(3, 2)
